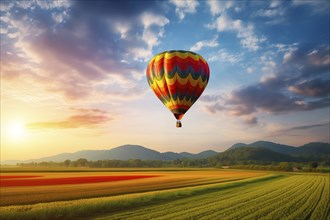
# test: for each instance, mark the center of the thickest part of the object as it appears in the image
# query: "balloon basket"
(178, 124)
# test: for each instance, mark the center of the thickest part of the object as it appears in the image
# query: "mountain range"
(124, 152)
(311, 151)
(259, 151)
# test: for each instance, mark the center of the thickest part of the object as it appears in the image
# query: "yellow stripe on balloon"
(166, 82)
(158, 57)
(184, 81)
(179, 102)
(182, 55)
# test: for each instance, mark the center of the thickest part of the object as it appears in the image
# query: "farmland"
(158, 180)
(166, 194)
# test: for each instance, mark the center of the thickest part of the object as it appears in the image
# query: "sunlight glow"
(16, 131)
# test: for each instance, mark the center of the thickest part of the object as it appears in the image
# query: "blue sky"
(74, 72)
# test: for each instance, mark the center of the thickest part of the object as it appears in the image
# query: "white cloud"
(270, 13)
(53, 4)
(218, 7)
(274, 14)
(275, 3)
(122, 29)
(269, 66)
(6, 5)
(250, 70)
(142, 54)
(13, 35)
(3, 31)
(224, 56)
(288, 55)
(184, 6)
(205, 43)
(222, 23)
(150, 35)
(150, 38)
(149, 19)
(24, 4)
(58, 17)
(245, 33)
(248, 39)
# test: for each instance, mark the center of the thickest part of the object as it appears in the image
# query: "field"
(164, 194)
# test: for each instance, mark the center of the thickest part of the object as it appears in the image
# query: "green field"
(294, 197)
(254, 196)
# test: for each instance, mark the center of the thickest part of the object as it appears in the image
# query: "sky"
(73, 74)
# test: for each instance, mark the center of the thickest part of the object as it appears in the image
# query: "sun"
(16, 131)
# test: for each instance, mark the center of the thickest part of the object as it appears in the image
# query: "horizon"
(73, 74)
(178, 152)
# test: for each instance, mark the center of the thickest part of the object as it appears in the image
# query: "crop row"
(207, 203)
(294, 197)
(260, 205)
(286, 208)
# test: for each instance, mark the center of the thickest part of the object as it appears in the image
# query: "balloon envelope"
(178, 78)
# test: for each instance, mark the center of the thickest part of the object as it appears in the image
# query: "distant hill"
(256, 154)
(280, 148)
(314, 151)
(311, 151)
(201, 155)
(205, 154)
(124, 152)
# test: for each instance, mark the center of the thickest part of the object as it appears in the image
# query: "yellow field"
(166, 179)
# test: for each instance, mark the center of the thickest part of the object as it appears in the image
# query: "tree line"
(184, 162)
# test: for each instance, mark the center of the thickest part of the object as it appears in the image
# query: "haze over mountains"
(260, 151)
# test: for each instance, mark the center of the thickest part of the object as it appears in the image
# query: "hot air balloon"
(178, 78)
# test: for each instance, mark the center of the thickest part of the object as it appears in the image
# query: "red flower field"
(10, 181)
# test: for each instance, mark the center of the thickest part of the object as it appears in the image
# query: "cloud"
(86, 118)
(316, 7)
(306, 127)
(150, 36)
(218, 7)
(270, 13)
(224, 56)
(251, 120)
(71, 48)
(258, 97)
(210, 98)
(300, 83)
(244, 32)
(214, 108)
(184, 6)
(275, 3)
(250, 70)
(273, 14)
(312, 88)
(205, 43)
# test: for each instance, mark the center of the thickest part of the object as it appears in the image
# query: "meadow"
(169, 194)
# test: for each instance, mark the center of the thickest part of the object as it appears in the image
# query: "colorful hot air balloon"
(178, 78)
